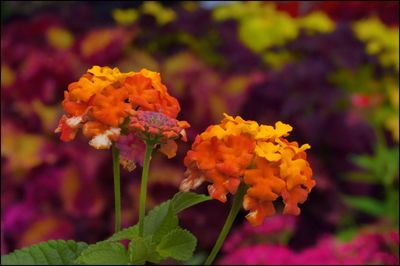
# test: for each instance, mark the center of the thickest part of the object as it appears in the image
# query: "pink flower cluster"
(368, 247)
(274, 230)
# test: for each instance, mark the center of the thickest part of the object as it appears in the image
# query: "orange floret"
(220, 162)
(110, 107)
(148, 93)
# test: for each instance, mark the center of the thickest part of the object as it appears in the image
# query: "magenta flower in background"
(259, 254)
(366, 248)
(131, 150)
(275, 230)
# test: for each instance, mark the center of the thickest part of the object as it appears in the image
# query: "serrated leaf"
(53, 252)
(127, 233)
(162, 218)
(141, 250)
(178, 244)
(160, 221)
(365, 204)
(197, 259)
(104, 253)
(183, 200)
(168, 223)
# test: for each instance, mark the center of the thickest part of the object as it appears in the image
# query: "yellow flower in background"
(238, 10)
(392, 123)
(317, 22)
(392, 120)
(380, 40)
(22, 150)
(162, 14)
(59, 38)
(262, 26)
(96, 41)
(125, 17)
(7, 75)
(272, 28)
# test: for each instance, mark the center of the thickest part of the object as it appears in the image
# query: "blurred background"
(330, 69)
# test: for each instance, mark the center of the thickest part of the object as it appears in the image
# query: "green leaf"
(179, 244)
(104, 253)
(365, 177)
(53, 252)
(143, 249)
(183, 200)
(363, 161)
(127, 233)
(365, 204)
(392, 206)
(160, 221)
(347, 234)
(197, 259)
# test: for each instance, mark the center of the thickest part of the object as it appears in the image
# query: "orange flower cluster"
(102, 98)
(259, 155)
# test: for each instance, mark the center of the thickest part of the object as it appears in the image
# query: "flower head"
(158, 128)
(259, 155)
(103, 98)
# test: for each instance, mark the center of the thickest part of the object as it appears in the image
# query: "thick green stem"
(143, 186)
(117, 188)
(237, 203)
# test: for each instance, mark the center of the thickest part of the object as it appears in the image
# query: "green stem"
(237, 203)
(143, 186)
(117, 189)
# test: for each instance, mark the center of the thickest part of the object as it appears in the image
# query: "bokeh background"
(330, 69)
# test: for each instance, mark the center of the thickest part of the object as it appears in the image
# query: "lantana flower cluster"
(259, 155)
(105, 101)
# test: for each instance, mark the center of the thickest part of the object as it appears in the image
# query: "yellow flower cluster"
(380, 40)
(262, 26)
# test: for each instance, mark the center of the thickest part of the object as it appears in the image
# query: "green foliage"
(163, 239)
(184, 200)
(365, 204)
(161, 220)
(143, 249)
(197, 259)
(163, 215)
(53, 252)
(127, 233)
(104, 253)
(178, 244)
(392, 206)
(347, 234)
(382, 167)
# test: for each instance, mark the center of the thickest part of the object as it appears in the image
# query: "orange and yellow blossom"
(101, 100)
(259, 155)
